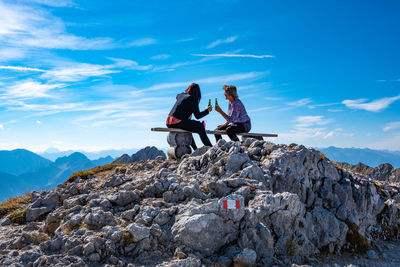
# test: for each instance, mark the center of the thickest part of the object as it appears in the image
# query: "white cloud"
(30, 89)
(1, 126)
(77, 72)
(269, 98)
(127, 64)
(374, 106)
(328, 135)
(300, 103)
(391, 143)
(233, 55)
(222, 41)
(38, 122)
(210, 80)
(392, 126)
(142, 42)
(20, 68)
(55, 3)
(27, 27)
(186, 40)
(161, 56)
(11, 53)
(307, 121)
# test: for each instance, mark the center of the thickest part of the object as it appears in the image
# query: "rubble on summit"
(294, 205)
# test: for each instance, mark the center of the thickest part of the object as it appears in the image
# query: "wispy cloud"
(322, 105)
(261, 109)
(11, 53)
(209, 80)
(186, 40)
(72, 72)
(392, 126)
(374, 106)
(55, 3)
(33, 27)
(76, 72)
(127, 64)
(269, 98)
(300, 102)
(391, 143)
(30, 89)
(307, 121)
(222, 41)
(233, 55)
(142, 42)
(1, 126)
(20, 68)
(161, 56)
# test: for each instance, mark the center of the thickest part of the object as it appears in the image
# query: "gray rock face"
(203, 232)
(235, 162)
(250, 203)
(98, 218)
(246, 258)
(147, 153)
(123, 198)
(139, 232)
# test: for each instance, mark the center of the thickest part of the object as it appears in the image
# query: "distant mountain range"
(367, 156)
(22, 170)
(53, 153)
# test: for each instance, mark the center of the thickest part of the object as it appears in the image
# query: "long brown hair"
(194, 90)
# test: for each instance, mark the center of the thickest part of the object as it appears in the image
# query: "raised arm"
(220, 111)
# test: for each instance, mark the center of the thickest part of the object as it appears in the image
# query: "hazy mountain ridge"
(21, 161)
(38, 172)
(367, 156)
(53, 153)
(45, 174)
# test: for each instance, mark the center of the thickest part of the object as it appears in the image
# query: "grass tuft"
(14, 204)
(18, 216)
(91, 172)
(127, 238)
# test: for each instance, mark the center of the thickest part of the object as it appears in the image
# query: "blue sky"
(99, 74)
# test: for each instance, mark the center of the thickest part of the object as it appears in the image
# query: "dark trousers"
(231, 131)
(195, 127)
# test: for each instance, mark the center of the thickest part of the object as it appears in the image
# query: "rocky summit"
(249, 203)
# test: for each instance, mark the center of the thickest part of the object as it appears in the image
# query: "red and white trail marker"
(231, 204)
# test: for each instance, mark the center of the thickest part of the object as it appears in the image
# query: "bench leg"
(179, 144)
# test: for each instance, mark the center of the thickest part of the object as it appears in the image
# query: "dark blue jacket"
(185, 106)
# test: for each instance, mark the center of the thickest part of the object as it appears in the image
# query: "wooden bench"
(179, 140)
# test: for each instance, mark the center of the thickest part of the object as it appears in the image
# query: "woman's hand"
(209, 109)
(218, 109)
(222, 125)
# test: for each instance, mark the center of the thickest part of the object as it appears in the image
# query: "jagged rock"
(143, 154)
(123, 198)
(205, 233)
(138, 232)
(246, 258)
(290, 203)
(235, 162)
(188, 262)
(98, 218)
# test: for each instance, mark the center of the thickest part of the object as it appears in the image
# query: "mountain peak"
(255, 203)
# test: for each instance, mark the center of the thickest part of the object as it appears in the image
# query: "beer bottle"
(216, 103)
(209, 103)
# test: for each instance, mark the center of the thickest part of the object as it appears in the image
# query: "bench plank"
(175, 130)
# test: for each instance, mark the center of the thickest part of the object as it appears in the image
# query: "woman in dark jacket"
(180, 116)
